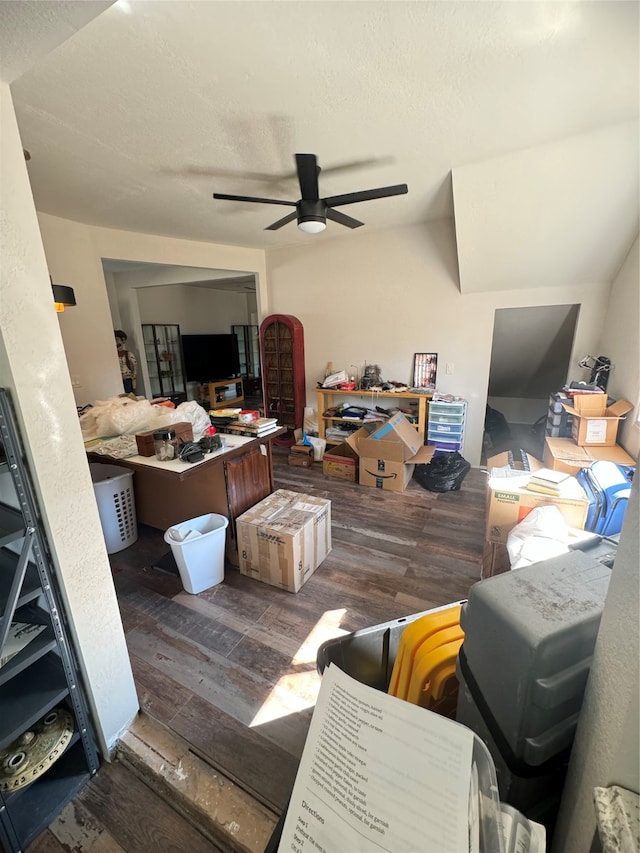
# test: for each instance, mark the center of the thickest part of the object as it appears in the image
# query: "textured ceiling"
(139, 117)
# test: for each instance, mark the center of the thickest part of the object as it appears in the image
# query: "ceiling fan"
(311, 211)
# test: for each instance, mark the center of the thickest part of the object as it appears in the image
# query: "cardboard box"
(388, 457)
(495, 560)
(508, 504)
(589, 405)
(283, 539)
(593, 423)
(144, 440)
(341, 460)
(511, 462)
(301, 455)
(398, 428)
(563, 454)
(391, 470)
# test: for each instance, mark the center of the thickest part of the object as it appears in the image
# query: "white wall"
(33, 368)
(620, 341)
(381, 296)
(74, 254)
(197, 310)
(564, 212)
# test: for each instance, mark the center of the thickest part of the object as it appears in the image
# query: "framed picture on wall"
(425, 365)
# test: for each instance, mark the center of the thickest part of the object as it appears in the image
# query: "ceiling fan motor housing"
(311, 210)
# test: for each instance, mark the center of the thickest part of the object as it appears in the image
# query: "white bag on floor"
(541, 535)
(319, 445)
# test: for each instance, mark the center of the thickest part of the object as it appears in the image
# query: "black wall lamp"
(63, 296)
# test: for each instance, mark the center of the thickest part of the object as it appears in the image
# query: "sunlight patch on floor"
(296, 691)
(326, 628)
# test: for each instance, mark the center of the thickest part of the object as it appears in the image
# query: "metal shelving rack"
(44, 674)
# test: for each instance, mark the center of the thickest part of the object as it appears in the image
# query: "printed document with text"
(378, 774)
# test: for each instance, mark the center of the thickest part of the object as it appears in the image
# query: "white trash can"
(198, 549)
(113, 487)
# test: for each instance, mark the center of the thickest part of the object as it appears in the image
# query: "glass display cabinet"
(249, 352)
(163, 354)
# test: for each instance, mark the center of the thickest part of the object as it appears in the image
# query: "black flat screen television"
(210, 358)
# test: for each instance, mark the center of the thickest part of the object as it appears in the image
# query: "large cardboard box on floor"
(563, 454)
(508, 501)
(389, 455)
(593, 423)
(283, 539)
(389, 471)
(341, 460)
(398, 428)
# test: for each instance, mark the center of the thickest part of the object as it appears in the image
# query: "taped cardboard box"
(144, 440)
(508, 501)
(390, 470)
(301, 455)
(398, 428)
(283, 539)
(563, 454)
(341, 460)
(593, 423)
(508, 504)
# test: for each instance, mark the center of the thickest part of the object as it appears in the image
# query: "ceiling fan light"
(312, 226)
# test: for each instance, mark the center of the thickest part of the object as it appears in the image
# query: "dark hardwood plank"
(76, 829)
(46, 842)
(159, 695)
(137, 819)
(240, 752)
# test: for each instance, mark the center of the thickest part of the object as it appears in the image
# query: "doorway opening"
(178, 301)
(530, 360)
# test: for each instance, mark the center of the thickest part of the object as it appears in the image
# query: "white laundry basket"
(113, 487)
(198, 549)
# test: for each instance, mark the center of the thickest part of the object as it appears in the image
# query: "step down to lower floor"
(218, 808)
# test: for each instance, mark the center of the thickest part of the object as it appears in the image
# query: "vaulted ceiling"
(521, 116)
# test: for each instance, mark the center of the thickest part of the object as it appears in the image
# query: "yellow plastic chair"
(434, 684)
(428, 629)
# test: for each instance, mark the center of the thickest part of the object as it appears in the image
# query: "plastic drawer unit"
(445, 427)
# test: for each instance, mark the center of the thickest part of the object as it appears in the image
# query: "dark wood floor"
(233, 670)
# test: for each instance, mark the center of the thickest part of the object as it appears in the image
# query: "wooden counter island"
(227, 481)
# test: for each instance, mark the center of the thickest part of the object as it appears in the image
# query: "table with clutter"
(227, 480)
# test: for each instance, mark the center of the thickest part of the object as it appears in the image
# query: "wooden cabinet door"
(249, 479)
(283, 378)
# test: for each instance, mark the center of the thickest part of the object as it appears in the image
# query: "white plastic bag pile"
(123, 416)
(542, 534)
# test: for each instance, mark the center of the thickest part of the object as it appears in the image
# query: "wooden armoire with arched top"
(283, 377)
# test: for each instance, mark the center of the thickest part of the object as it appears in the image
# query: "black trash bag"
(444, 473)
(496, 426)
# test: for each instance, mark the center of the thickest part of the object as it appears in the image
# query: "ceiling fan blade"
(366, 195)
(343, 219)
(308, 171)
(284, 221)
(357, 164)
(227, 197)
